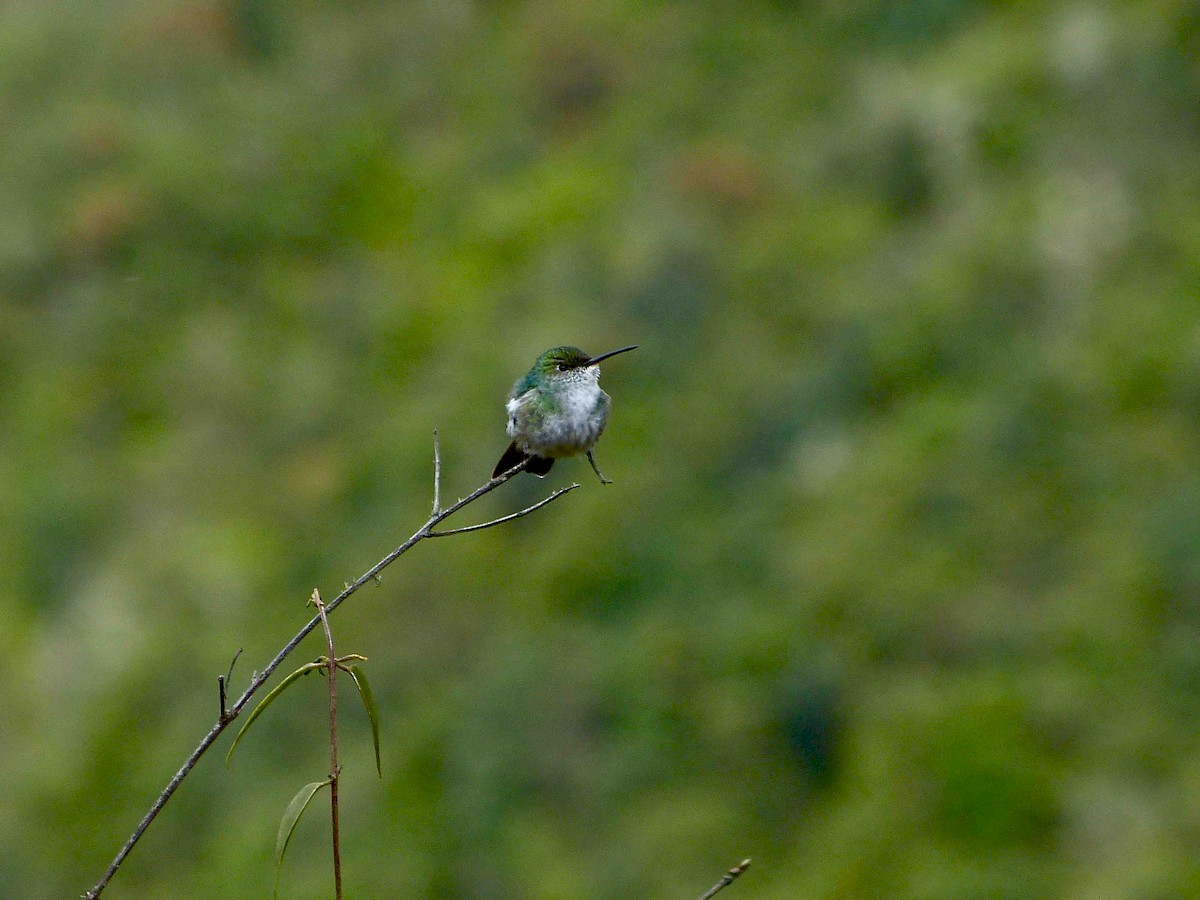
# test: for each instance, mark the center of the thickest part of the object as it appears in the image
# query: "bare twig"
(334, 770)
(437, 475)
(223, 681)
(503, 519)
(727, 879)
(260, 678)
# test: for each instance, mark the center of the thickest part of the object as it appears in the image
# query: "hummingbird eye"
(560, 367)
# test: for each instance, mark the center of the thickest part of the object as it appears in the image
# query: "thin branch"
(223, 681)
(437, 475)
(504, 519)
(727, 879)
(334, 771)
(260, 679)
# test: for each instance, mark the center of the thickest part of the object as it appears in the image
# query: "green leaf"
(287, 824)
(368, 699)
(276, 691)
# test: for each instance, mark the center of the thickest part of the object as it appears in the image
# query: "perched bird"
(557, 410)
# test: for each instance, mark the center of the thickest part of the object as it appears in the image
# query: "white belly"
(571, 428)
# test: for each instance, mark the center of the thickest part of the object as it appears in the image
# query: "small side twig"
(526, 511)
(727, 879)
(334, 771)
(437, 475)
(223, 682)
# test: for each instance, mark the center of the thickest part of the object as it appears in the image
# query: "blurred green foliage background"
(898, 587)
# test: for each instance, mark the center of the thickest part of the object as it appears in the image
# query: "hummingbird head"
(565, 364)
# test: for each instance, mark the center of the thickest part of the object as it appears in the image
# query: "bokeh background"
(897, 590)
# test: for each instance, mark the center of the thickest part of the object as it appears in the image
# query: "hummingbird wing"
(524, 412)
(525, 416)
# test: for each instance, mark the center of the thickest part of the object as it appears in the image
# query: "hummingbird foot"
(596, 469)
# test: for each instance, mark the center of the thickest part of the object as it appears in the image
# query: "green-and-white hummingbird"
(557, 410)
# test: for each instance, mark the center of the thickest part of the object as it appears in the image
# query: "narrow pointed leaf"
(287, 824)
(364, 690)
(275, 692)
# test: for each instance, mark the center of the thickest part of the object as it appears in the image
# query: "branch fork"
(227, 713)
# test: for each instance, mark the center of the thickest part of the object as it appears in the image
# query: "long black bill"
(596, 359)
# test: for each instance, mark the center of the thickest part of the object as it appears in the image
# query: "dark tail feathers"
(538, 465)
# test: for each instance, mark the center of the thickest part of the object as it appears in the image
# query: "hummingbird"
(557, 410)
